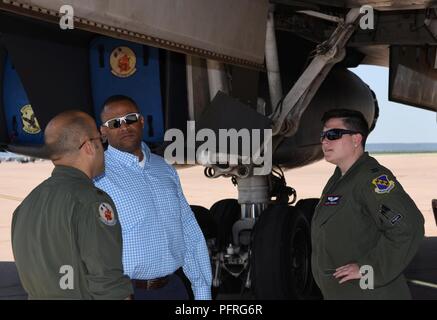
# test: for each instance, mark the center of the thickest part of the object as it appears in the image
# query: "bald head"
(65, 133)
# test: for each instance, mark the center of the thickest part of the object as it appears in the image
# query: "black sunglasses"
(335, 134)
(116, 122)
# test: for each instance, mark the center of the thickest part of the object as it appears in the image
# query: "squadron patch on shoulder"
(383, 184)
(106, 214)
(332, 200)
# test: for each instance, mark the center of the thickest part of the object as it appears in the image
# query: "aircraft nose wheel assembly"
(262, 245)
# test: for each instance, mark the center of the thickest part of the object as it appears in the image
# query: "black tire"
(281, 255)
(307, 206)
(209, 229)
(225, 213)
(205, 221)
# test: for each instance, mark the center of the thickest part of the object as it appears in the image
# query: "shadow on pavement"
(422, 268)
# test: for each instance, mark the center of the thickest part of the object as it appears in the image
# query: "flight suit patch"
(106, 214)
(390, 215)
(383, 184)
(332, 200)
(396, 218)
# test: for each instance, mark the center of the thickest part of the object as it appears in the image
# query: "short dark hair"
(352, 119)
(117, 98)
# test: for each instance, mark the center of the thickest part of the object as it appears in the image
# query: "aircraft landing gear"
(263, 246)
(282, 255)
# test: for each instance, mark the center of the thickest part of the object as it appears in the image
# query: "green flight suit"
(365, 217)
(66, 240)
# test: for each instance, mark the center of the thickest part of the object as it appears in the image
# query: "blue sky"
(395, 118)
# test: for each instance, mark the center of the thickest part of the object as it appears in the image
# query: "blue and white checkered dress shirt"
(160, 232)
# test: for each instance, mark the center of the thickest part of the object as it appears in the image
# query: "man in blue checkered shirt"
(159, 230)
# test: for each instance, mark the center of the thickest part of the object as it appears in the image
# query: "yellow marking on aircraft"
(7, 197)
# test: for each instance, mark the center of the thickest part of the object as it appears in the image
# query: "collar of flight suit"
(361, 160)
(70, 172)
(338, 178)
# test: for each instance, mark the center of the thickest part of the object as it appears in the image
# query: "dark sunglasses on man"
(117, 122)
(335, 134)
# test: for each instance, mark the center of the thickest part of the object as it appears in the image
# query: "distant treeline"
(401, 147)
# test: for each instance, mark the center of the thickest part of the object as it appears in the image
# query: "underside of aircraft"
(254, 64)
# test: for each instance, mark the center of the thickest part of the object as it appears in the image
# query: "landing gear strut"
(262, 241)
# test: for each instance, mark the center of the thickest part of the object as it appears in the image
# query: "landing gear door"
(125, 68)
(4, 139)
(21, 121)
(413, 76)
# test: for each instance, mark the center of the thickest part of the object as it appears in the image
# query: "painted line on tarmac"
(7, 197)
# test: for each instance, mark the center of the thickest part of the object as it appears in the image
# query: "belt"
(151, 284)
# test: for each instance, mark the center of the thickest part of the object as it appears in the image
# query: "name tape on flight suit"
(390, 215)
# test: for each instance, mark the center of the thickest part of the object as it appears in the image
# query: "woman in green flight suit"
(366, 229)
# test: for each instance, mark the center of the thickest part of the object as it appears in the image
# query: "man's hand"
(348, 272)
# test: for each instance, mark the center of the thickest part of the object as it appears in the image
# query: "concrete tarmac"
(423, 268)
(414, 171)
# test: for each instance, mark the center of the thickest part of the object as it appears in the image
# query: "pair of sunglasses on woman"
(335, 134)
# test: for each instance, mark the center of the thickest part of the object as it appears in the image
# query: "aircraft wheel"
(205, 221)
(307, 206)
(281, 265)
(225, 213)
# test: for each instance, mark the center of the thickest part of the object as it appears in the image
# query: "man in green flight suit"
(365, 229)
(66, 237)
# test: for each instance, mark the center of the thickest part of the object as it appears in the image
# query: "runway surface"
(416, 172)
